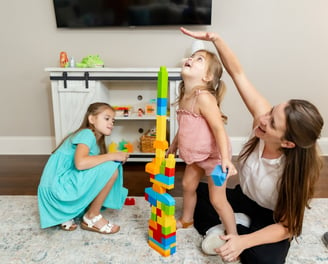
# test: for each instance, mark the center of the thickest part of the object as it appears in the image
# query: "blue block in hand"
(218, 175)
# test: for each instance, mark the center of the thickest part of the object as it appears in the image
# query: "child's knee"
(115, 174)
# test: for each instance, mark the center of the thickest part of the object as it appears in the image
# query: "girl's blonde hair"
(94, 109)
(215, 86)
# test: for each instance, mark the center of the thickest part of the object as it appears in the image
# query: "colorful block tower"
(162, 224)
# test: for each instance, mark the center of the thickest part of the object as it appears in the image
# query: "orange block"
(158, 188)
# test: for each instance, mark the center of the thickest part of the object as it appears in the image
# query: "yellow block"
(112, 147)
(167, 220)
(161, 184)
(160, 154)
(160, 127)
(164, 253)
(170, 161)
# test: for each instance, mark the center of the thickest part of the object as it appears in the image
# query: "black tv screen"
(125, 13)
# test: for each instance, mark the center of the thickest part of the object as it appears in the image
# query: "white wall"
(283, 46)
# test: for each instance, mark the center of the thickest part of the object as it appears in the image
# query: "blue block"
(166, 199)
(173, 250)
(164, 179)
(218, 175)
(161, 111)
(152, 196)
(161, 102)
(161, 245)
(162, 197)
(168, 241)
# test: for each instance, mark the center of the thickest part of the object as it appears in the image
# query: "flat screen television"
(130, 13)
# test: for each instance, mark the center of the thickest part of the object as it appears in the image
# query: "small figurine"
(141, 112)
(63, 59)
(152, 132)
(126, 112)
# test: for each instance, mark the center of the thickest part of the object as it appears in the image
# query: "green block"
(153, 217)
(168, 209)
(162, 167)
(166, 230)
(162, 82)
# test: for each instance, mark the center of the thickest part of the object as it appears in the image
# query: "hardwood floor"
(20, 175)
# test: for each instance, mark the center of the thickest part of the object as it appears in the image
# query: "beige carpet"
(22, 240)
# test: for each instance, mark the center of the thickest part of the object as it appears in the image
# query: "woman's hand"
(202, 35)
(233, 247)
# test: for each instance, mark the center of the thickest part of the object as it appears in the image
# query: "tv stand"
(74, 89)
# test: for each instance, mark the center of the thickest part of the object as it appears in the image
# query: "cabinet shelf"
(136, 118)
(74, 89)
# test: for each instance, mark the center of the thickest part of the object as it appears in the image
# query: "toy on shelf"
(63, 59)
(91, 61)
(72, 63)
(162, 224)
(112, 147)
(141, 112)
(123, 146)
(147, 141)
(123, 110)
(150, 108)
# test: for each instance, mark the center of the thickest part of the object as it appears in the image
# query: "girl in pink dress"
(201, 138)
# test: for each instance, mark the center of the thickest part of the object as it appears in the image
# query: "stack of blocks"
(162, 224)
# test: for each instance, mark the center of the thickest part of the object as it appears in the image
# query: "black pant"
(205, 217)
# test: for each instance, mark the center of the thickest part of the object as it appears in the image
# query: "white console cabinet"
(74, 89)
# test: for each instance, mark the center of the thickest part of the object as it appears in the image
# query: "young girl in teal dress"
(80, 177)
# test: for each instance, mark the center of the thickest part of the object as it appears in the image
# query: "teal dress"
(65, 192)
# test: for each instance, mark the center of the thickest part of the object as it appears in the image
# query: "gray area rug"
(22, 240)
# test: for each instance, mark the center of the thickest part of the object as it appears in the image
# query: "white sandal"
(212, 240)
(68, 225)
(89, 224)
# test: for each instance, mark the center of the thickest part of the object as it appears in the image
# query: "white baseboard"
(26, 145)
(45, 145)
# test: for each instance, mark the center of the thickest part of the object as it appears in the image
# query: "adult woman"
(278, 167)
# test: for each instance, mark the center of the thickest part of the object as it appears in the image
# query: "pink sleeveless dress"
(196, 140)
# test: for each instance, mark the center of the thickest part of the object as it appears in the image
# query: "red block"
(169, 171)
(130, 201)
(158, 212)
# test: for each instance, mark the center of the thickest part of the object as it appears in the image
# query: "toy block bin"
(147, 142)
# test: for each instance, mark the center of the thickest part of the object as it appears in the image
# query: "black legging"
(205, 217)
